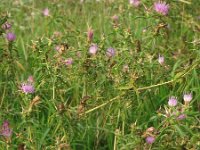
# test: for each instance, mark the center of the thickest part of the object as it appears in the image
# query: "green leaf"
(179, 130)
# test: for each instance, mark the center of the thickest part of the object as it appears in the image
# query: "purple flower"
(6, 26)
(5, 129)
(68, 61)
(187, 97)
(181, 117)
(10, 36)
(161, 7)
(161, 59)
(90, 34)
(150, 139)
(46, 12)
(110, 52)
(135, 3)
(93, 49)
(172, 101)
(27, 88)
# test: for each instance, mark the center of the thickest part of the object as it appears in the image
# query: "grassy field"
(99, 75)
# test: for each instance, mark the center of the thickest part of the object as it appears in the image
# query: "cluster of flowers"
(187, 97)
(172, 102)
(160, 7)
(10, 36)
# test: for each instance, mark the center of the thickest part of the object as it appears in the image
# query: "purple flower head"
(161, 59)
(27, 88)
(93, 49)
(161, 7)
(150, 139)
(187, 97)
(134, 3)
(6, 26)
(90, 34)
(46, 12)
(10, 36)
(5, 129)
(181, 117)
(172, 101)
(68, 61)
(110, 52)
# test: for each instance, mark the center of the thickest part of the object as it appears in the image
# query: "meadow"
(99, 75)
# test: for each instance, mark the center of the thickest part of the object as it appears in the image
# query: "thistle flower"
(6, 26)
(5, 129)
(187, 97)
(172, 101)
(110, 52)
(90, 34)
(161, 7)
(27, 88)
(161, 59)
(46, 12)
(150, 139)
(181, 117)
(134, 3)
(10, 36)
(93, 49)
(69, 61)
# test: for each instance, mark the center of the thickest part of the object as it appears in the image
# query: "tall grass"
(100, 102)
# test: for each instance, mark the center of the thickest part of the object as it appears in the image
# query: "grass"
(94, 103)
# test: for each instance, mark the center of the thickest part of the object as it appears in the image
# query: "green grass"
(94, 104)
